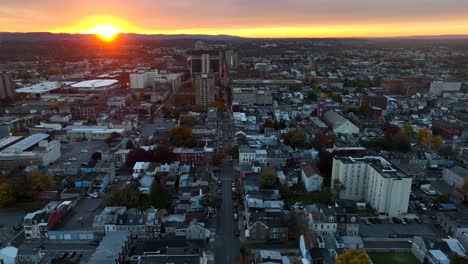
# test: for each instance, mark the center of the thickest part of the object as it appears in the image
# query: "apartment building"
(374, 180)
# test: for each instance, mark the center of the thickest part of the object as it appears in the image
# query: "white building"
(98, 85)
(32, 150)
(339, 124)
(248, 155)
(444, 87)
(8, 255)
(93, 132)
(312, 180)
(144, 79)
(374, 180)
(40, 88)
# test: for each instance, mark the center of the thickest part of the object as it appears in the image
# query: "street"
(227, 246)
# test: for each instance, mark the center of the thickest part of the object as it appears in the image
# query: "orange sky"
(258, 18)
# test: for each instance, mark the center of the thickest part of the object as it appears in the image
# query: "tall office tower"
(7, 86)
(231, 59)
(205, 85)
(206, 71)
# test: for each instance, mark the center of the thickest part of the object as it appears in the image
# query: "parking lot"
(53, 249)
(86, 209)
(9, 218)
(73, 154)
(386, 229)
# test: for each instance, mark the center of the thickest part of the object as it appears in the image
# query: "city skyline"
(297, 18)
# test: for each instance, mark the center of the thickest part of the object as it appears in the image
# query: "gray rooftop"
(110, 248)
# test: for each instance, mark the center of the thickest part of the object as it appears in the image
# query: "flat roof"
(27, 142)
(98, 83)
(39, 88)
(8, 140)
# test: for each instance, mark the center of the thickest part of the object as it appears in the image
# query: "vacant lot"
(394, 258)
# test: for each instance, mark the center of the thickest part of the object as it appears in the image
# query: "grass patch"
(394, 258)
(309, 198)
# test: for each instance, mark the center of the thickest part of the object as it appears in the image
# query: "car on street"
(367, 222)
(235, 216)
(236, 232)
(417, 220)
(396, 220)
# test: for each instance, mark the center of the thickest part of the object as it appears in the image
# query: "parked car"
(235, 216)
(378, 220)
(396, 220)
(408, 220)
(390, 220)
(403, 221)
(418, 220)
(367, 222)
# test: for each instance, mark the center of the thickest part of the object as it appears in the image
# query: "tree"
(408, 129)
(130, 197)
(188, 121)
(160, 196)
(7, 196)
(457, 259)
(136, 155)
(268, 123)
(218, 158)
(437, 142)
(464, 187)
(182, 137)
(338, 188)
(96, 155)
(268, 179)
(36, 181)
(129, 144)
(51, 182)
(312, 96)
(295, 138)
(353, 256)
(442, 198)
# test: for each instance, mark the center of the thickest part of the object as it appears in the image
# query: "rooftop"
(27, 142)
(110, 248)
(39, 88)
(95, 83)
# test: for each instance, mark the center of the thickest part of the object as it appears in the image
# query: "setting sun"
(106, 32)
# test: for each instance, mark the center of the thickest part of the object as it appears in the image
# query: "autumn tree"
(182, 137)
(218, 158)
(268, 124)
(437, 142)
(408, 129)
(7, 195)
(295, 138)
(353, 256)
(36, 181)
(268, 179)
(188, 121)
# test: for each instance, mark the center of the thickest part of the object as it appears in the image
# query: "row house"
(37, 224)
(329, 220)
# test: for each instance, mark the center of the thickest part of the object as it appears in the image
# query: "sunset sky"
(248, 18)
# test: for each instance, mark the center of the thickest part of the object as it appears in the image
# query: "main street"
(227, 246)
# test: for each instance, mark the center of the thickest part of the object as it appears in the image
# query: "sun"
(106, 32)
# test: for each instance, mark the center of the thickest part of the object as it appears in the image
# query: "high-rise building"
(205, 61)
(374, 180)
(231, 59)
(7, 86)
(204, 85)
(206, 71)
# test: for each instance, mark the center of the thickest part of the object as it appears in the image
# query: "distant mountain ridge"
(42, 36)
(47, 36)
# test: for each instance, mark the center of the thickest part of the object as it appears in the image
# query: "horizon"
(259, 19)
(237, 36)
